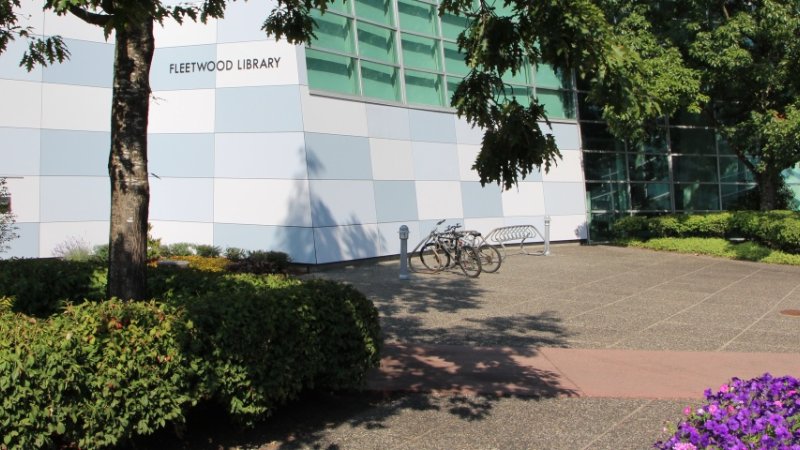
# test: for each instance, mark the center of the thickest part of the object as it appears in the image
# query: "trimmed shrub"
(261, 347)
(779, 230)
(235, 253)
(209, 251)
(41, 287)
(259, 262)
(177, 249)
(205, 263)
(91, 377)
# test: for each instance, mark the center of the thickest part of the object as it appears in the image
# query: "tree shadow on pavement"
(447, 358)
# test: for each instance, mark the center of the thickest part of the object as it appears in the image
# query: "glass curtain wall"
(401, 51)
(684, 167)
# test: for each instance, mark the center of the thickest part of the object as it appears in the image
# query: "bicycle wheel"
(490, 258)
(434, 257)
(470, 262)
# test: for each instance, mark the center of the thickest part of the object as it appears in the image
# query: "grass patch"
(747, 251)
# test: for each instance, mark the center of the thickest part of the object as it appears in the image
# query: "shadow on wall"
(334, 235)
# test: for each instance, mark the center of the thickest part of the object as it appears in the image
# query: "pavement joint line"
(652, 325)
(627, 297)
(561, 372)
(588, 283)
(620, 422)
(769, 311)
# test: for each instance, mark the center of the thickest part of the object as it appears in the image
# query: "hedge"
(779, 230)
(99, 373)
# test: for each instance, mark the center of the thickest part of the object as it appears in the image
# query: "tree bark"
(768, 185)
(127, 164)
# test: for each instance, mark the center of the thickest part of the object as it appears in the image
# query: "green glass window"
(656, 142)
(521, 93)
(520, 77)
(557, 104)
(604, 166)
(454, 60)
(739, 196)
(333, 32)
(607, 196)
(379, 11)
(697, 197)
(587, 111)
(646, 167)
(695, 168)
(595, 136)
(792, 175)
(650, 196)
(600, 226)
(546, 77)
(424, 88)
(376, 43)
(418, 17)
(692, 119)
(380, 81)
(331, 72)
(453, 25)
(452, 85)
(732, 170)
(695, 141)
(723, 147)
(501, 9)
(421, 53)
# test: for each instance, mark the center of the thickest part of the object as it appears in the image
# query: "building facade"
(259, 144)
(322, 151)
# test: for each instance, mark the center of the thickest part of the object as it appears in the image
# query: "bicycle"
(439, 249)
(489, 255)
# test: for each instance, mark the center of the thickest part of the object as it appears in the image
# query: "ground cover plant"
(104, 372)
(761, 413)
(772, 236)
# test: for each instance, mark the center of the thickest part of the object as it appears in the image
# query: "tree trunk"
(127, 163)
(768, 185)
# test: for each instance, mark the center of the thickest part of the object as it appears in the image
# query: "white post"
(404, 252)
(546, 235)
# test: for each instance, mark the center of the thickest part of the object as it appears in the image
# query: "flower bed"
(762, 413)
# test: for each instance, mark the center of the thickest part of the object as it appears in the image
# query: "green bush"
(93, 376)
(262, 347)
(208, 251)
(177, 249)
(41, 287)
(235, 253)
(778, 230)
(261, 262)
(102, 372)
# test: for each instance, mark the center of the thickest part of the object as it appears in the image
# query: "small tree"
(7, 218)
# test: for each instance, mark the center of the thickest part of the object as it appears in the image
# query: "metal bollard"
(404, 252)
(546, 235)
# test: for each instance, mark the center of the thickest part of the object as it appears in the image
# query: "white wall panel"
(53, 234)
(66, 107)
(333, 116)
(466, 159)
(484, 225)
(467, 134)
(348, 242)
(22, 103)
(24, 198)
(563, 228)
(190, 111)
(526, 199)
(172, 232)
(569, 168)
(173, 34)
(439, 199)
(389, 232)
(262, 202)
(69, 26)
(391, 159)
(258, 64)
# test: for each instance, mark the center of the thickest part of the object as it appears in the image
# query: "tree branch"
(90, 17)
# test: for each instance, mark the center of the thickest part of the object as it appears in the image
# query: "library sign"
(224, 65)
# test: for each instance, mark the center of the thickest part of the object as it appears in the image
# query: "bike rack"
(521, 233)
